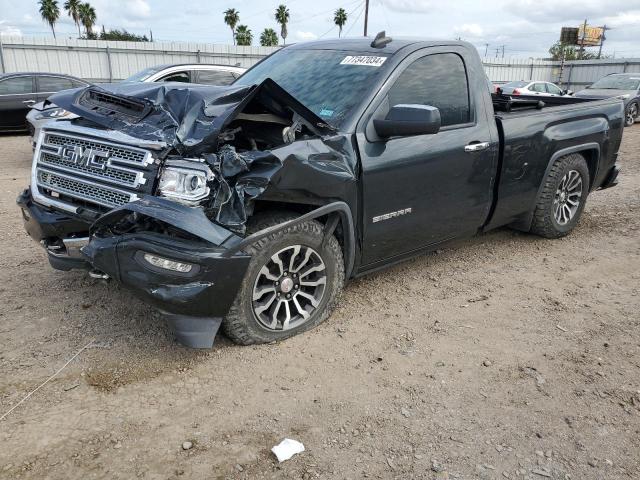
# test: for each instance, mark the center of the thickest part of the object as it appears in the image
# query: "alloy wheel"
(567, 197)
(632, 114)
(289, 288)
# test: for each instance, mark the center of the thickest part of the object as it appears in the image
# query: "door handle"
(476, 147)
(29, 101)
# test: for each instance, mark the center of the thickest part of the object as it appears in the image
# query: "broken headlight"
(185, 181)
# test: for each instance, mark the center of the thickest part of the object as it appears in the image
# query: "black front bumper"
(194, 302)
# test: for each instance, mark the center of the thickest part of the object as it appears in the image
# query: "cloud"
(138, 9)
(574, 11)
(306, 36)
(409, 6)
(472, 29)
(9, 31)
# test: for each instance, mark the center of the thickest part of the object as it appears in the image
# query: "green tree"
(122, 35)
(269, 38)
(88, 18)
(559, 50)
(282, 17)
(244, 36)
(72, 6)
(231, 18)
(340, 18)
(50, 13)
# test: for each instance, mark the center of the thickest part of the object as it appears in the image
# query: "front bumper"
(194, 302)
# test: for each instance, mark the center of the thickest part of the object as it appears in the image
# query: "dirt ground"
(508, 356)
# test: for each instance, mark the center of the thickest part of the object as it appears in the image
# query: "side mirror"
(567, 92)
(406, 120)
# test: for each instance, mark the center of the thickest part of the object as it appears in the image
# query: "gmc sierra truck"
(249, 206)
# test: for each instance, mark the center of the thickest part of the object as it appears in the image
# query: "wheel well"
(592, 159)
(262, 207)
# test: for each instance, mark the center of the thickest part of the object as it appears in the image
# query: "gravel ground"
(506, 356)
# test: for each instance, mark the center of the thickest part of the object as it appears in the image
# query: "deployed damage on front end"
(155, 186)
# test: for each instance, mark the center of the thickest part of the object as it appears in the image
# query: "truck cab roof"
(364, 45)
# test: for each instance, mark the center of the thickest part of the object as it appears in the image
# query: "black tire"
(630, 114)
(241, 323)
(545, 222)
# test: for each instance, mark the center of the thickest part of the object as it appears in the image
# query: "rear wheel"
(631, 114)
(292, 283)
(563, 197)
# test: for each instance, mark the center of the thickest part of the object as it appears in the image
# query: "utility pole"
(503, 51)
(486, 49)
(584, 34)
(366, 16)
(602, 39)
(151, 35)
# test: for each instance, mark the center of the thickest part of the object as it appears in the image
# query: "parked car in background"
(189, 73)
(625, 86)
(533, 87)
(44, 112)
(19, 91)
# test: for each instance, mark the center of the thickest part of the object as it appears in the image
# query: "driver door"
(424, 189)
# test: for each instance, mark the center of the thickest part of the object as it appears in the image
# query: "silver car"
(533, 87)
(625, 86)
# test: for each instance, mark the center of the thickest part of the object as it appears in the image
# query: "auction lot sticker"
(366, 60)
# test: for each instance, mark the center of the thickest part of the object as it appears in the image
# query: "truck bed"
(530, 137)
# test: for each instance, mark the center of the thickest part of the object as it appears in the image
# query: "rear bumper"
(194, 302)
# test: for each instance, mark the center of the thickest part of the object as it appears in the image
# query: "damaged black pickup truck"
(249, 206)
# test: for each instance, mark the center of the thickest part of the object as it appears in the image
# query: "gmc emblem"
(85, 157)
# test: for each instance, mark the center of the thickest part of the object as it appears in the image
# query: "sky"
(526, 28)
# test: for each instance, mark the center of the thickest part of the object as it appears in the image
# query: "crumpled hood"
(187, 117)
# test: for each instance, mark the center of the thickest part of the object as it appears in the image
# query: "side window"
(539, 87)
(78, 83)
(53, 84)
(438, 80)
(176, 77)
(551, 88)
(16, 85)
(215, 77)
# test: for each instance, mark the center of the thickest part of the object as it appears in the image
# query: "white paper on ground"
(286, 449)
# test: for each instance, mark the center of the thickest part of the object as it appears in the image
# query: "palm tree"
(243, 35)
(282, 17)
(340, 18)
(269, 38)
(50, 13)
(87, 16)
(72, 6)
(231, 18)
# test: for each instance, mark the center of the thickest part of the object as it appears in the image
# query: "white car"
(533, 87)
(189, 73)
(44, 112)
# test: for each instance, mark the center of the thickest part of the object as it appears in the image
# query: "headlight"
(53, 113)
(185, 183)
(623, 97)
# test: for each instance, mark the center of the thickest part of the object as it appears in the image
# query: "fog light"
(166, 264)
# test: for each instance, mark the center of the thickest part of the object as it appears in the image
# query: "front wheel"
(292, 283)
(631, 114)
(564, 194)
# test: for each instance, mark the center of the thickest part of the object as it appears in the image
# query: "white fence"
(574, 75)
(104, 61)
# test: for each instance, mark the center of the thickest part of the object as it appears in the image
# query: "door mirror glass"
(406, 120)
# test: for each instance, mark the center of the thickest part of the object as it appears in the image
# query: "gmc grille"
(91, 172)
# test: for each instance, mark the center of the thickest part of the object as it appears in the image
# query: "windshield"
(330, 83)
(615, 82)
(519, 84)
(143, 74)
